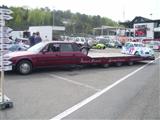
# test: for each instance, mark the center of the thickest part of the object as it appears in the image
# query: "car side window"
(66, 47)
(75, 47)
(54, 47)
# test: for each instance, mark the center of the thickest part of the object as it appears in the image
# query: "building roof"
(139, 19)
(108, 27)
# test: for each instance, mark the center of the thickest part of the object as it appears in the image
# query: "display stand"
(5, 64)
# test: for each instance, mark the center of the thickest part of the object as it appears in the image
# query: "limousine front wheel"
(24, 67)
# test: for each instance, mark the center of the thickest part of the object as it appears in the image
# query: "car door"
(49, 56)
(67, 54)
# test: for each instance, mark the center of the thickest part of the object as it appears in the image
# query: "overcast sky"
(118, 10)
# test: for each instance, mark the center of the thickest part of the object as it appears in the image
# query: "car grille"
(146, 52)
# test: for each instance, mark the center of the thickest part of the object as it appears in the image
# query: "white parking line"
(96, 95)
(74, 82)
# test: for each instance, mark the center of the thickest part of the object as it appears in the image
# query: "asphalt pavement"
(135, 98)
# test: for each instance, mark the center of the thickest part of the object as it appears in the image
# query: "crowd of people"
(35, 38)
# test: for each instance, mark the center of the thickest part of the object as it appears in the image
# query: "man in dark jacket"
(32, 39)
(38, 38)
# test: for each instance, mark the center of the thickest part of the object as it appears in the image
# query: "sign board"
(5, 35)
(5, 30)
(5, 17)
(144, 30)
(4, 52)
(6, 68)
(5, 46)
(6, 11)
(6, 62)
(6, 40)
(2, 23)
(6, 57)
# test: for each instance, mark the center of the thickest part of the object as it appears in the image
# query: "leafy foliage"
(75, 23)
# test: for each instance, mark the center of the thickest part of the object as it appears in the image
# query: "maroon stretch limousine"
(59, 53)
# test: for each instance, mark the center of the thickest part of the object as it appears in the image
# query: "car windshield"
(37, 48)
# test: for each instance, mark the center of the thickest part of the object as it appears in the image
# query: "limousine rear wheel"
(24, 67)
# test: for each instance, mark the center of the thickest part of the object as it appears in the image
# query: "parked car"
(91, 42)
(82, 42)
(118, 44)
(111, 44)
(20, 44)
(114, 44)
(17, 47)
(99, 46)
(155, 45)
(137, 48)
(46, 54)
(103, 40)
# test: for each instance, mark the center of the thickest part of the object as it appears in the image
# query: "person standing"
(38, 38)
(32, 39)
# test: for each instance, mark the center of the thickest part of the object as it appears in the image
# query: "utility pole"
(53, 18)
(53, 24)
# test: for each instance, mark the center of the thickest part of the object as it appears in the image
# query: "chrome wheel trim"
(25, 68)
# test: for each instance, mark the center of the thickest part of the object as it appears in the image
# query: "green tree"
(75, 23)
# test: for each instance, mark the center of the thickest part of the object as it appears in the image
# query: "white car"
(137, 48)
(155, 45)
(80, 40)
